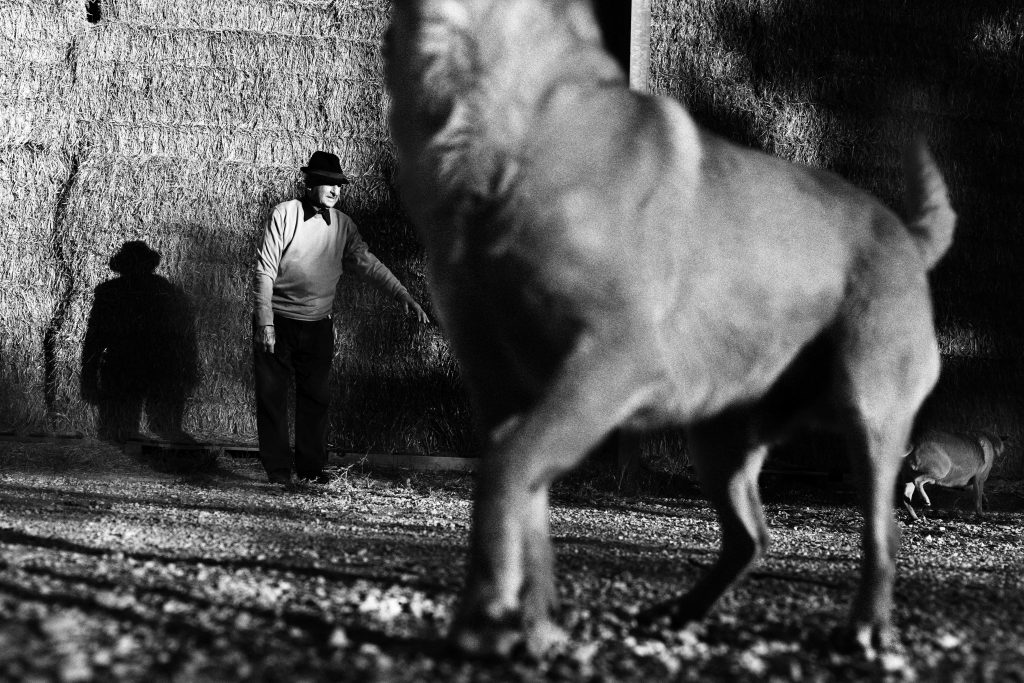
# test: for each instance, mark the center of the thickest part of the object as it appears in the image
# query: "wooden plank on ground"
(140, 446)
(407, 461)
(40, 437)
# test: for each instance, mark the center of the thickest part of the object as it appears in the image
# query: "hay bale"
(35, 40)
(31, 178)
(35, 126)
(180, 124)
(363, 20)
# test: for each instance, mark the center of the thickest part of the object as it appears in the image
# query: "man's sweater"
(302, 258)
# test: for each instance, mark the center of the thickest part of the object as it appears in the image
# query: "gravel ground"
(166, 568)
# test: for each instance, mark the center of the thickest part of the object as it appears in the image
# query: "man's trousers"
(304, 349)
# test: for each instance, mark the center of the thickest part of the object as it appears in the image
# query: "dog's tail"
(930, 218)
(993, 441)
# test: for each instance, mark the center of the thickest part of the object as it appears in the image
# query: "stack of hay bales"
(190, 122)
(35, 126)
(845, 86)
(179, 124)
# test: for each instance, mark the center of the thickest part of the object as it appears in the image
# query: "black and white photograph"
(457, 341)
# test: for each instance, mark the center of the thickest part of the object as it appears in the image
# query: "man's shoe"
(283, 477)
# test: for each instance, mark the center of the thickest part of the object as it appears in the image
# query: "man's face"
(325, 195)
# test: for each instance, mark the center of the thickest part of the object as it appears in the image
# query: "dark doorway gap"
(614, 16)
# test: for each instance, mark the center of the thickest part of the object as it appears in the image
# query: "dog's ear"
(582, 21)
(452, 12)
(414, 12)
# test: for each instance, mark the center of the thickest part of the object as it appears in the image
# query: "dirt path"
(117, 569)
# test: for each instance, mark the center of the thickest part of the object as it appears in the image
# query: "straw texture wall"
(844, 86)
(34, 128)
(174, 126)
(177, 125)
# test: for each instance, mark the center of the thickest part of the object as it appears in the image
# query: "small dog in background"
(598, 261)
(953, 460)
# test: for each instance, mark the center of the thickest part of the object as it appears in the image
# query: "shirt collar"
(309, 210)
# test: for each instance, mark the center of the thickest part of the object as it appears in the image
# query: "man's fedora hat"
(325, 166)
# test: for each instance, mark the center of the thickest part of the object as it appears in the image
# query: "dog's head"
(429, 56)
(467, 79)
(439, 51)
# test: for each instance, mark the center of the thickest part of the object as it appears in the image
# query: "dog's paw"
(486, 640)
(870, 640)
(543, 637)
(506, 637)
(878, 647)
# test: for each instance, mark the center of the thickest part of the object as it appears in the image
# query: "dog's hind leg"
(510, 591)
(921, 481)
(875, 461)
(889, 364)
(728, 462)
(979, 493)
(988, 451)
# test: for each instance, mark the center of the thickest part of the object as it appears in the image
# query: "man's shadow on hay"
(140, 351)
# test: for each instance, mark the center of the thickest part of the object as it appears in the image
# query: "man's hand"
(411, 307)
(265, 338)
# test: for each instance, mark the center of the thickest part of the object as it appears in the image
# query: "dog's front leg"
(510, 592)
(489, 619)
(908, 499)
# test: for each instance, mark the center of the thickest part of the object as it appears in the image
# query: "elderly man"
(307, 244)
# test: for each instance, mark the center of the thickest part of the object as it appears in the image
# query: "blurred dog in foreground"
(598, 261)
(952, 460)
